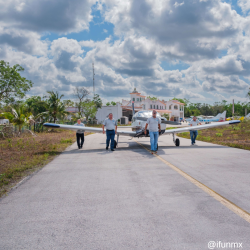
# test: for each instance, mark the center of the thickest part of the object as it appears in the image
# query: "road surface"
(130, 199)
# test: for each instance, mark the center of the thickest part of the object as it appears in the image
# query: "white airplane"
(138, 127)
(219, 118)
(247, 116)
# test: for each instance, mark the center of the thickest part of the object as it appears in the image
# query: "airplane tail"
(223, 116)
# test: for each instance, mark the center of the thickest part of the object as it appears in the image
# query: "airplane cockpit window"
(146, 114)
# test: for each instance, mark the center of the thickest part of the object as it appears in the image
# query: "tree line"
(52, 107)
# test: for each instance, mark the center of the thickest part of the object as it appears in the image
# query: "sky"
(194, 49)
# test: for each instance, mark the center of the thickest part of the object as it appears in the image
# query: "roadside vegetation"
(20, 156)
(237, 136)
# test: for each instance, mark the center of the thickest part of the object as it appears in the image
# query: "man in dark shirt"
(79, 134)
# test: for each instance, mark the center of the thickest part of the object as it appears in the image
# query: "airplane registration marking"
(224, 201)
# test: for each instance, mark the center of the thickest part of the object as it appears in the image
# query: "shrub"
(66, 141)
(219, 134)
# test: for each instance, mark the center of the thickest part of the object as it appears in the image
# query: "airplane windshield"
(145, 113)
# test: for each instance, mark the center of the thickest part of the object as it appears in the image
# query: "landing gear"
(176, 141)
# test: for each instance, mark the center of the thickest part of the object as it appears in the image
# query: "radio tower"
(93, 66)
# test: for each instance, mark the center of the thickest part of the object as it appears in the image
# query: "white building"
(174, 108)
(104, 111)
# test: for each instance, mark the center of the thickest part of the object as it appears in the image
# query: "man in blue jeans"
(154, 128)
(194, 133)
(111, 129)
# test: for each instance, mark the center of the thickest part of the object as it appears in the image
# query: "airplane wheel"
(115, 144)
(177, 142)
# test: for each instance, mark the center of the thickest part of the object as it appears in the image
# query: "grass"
(21, 156)
(237, 136)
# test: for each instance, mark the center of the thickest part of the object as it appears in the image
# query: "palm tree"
(55, 107)
(20, 117)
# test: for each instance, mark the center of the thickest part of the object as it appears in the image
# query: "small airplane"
(247, 116)
(219, 118)
(139, 121)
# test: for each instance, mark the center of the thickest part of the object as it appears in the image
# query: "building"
(104, 111)
(174, 108)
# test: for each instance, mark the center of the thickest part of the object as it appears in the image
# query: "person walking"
(79, 134)
(154, 124)
(111, 130)
(194, 133)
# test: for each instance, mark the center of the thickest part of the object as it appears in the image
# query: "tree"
(55, 107)
(12, 85)
(81, 93)
(68, 103)
(113, 103)
(89, 109)
(36, 105)
(20, 117)
(152, 98)
(98, 101)
(108, 104)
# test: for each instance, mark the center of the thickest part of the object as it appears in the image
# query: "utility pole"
(93, 66)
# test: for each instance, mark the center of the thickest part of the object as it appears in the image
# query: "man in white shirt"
(111, 130)
(154, 128)
(79, 134)
(194, 133)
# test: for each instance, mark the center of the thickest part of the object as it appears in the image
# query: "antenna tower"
(93, 66)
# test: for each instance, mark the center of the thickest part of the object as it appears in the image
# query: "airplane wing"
(206, 126)
(87, 129)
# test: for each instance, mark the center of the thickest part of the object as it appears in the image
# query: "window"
(151, 106)
(170, 107)
(157, 106)
(133, 99)
(138, 99)
(165, 107)
(154, 106)
(175, 107)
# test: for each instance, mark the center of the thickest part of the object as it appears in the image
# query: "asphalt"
(129, 199)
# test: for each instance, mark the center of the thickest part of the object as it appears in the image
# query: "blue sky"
(197, 50)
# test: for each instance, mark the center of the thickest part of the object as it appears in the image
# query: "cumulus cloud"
(244, 4)
(47, 16)
(208, 36)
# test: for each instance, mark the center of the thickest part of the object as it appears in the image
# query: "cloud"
(245, 5)
(208, 36)
(47, 16)
(192, 33)
(26, 41)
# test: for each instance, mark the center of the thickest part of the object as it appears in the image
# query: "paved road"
(129, 199)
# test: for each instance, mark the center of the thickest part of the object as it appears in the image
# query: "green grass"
(237, 136)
